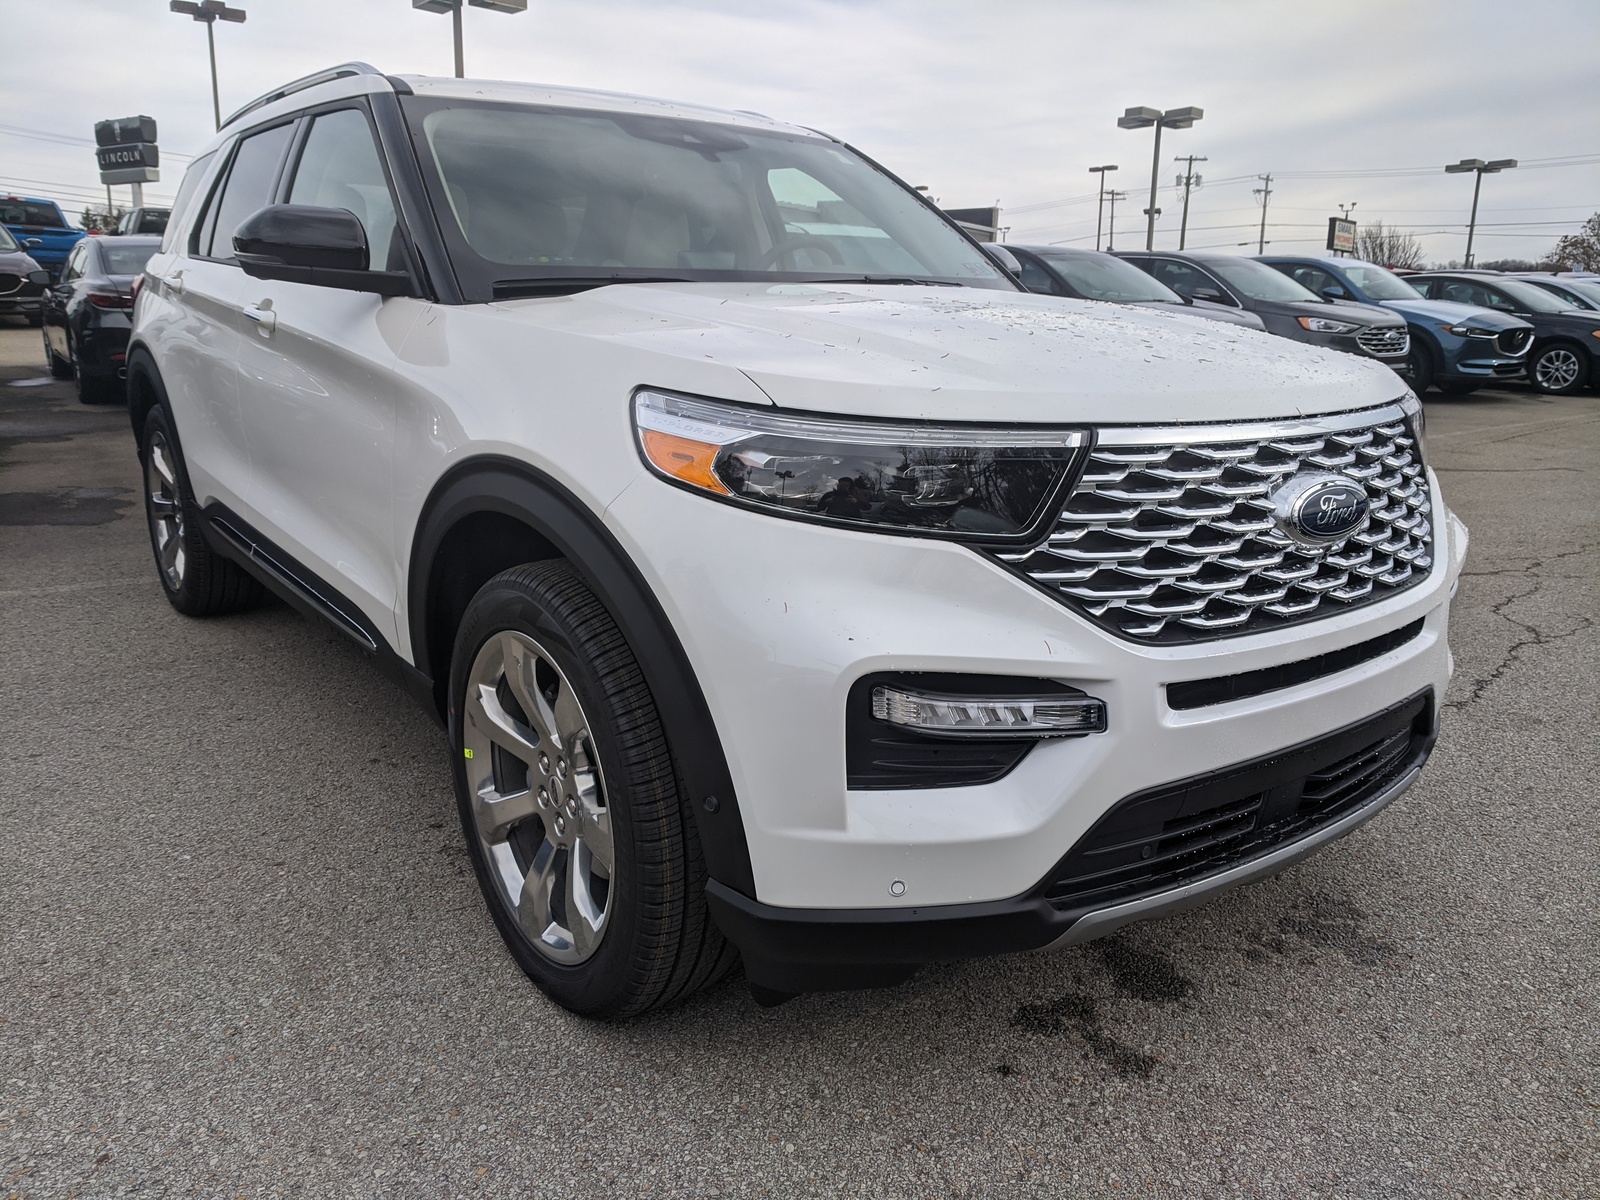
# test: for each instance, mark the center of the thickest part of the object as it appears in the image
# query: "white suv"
(789, 580)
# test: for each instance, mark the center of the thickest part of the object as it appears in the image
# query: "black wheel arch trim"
(509, 488)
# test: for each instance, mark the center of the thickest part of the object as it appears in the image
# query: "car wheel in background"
(584, 848)
(198, 583)
(1556, 370)
(1423, 366)
(58, 369)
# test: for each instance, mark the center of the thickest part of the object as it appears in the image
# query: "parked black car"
(1453, 347)
(1091, 275)
(1578, 293)
(1284, 307)
(1566, 340)
(89, 310)
(22, 280)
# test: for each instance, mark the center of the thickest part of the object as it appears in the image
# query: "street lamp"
(1143, 118)
(1100, 209)
(1480, 168)
(210, 12)
(453, 7)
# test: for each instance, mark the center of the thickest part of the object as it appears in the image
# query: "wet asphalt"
(242, 952)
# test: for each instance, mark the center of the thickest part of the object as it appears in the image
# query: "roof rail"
(299, 85)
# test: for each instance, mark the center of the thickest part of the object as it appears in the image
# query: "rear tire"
(583, 843)
(198, 583)
(1557, 370)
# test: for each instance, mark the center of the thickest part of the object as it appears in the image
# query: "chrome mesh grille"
(1385, 342)
(1176, 540)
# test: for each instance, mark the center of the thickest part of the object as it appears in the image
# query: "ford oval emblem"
(1317, 509)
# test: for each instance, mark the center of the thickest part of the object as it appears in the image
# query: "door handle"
(173, 282)
(265, 319)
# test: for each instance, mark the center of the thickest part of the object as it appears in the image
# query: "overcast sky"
(983, 100)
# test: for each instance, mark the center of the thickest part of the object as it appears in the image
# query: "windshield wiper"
(566, 285)
(892, 279)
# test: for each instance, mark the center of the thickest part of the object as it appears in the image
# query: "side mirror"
(1002, 257)
(1211, 295)
(325, 247)
(1334, 292)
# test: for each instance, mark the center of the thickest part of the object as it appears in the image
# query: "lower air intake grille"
(1170, 534)
(1175, 834)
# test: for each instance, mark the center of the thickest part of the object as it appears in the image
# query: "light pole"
(1100, 207)
(1111, 241)
(1143, 118)
(210, 12)
(1480, 168)
(1188, 179)
(453, 7)
(1265, 192)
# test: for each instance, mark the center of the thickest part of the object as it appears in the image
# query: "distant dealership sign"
(1341, 235)
(126, 150)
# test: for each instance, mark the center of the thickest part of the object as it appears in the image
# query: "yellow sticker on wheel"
(467, 751)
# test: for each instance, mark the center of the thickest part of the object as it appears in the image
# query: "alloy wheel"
(539, 804)
(164, 502)
(1556, 370)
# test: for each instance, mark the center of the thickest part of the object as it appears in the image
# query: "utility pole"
(1100, 208)
(1144, 118)
(1187, 180)
(1265, 192)
(1111, 242)
(210, 12)
(454, 7)
(1481, 168)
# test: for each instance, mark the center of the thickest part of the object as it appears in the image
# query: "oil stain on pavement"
(64, 506)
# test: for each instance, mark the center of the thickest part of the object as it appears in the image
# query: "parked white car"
(787, 578)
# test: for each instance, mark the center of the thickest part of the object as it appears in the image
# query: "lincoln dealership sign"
(126, 150)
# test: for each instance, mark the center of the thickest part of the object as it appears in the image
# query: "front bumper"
(1486, 368)
(797, 950)
(28, 306)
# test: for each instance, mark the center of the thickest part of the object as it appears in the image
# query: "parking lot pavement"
(243, 954)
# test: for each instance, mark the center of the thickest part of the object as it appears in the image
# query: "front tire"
(1557, 370)
(1423, 366)
(197, 582)
(582, 842)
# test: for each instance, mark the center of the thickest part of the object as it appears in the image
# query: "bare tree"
(1580, 251)
(1388, 247)
(98, 218)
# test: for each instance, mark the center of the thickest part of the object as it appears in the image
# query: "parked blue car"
(41, 229)
(1454, 347)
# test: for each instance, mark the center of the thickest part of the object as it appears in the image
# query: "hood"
(1448, 312)
(965, 354)
(15, 262)
(1369, 314)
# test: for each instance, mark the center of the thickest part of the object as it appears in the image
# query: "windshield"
(1380, 284)
(1590, 291)
(1532, 297)
(1102, 277)
(24, 212)
(1258, 281)
(528, 194)
(126, 260)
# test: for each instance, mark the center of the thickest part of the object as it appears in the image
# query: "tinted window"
(1379, 283)
(527, 193)
(27, 212)
(1525, 297)
(124, 259)
(8, 244)
(1102, 277)
(1189, 281)
(1313, 279)
(1035, 278)
(339, 168)
(1259, 281)
(249, 187)
(186, 191)
(73, 267)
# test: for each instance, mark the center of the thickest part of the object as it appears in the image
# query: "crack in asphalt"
(1535, 635)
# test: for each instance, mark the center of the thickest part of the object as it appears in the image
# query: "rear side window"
(186, 190)
(124, 259)
(1036, 279)
(339, 168)
(248, 187)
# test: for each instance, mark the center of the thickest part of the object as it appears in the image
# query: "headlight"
(1417, 417)
(1469, 331)
(974, 483)
(1326, 325)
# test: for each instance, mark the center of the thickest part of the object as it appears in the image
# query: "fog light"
(942, 715)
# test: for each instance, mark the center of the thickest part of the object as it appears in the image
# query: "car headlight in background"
(1327, 325)
(977, 483)
(1470, 332)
